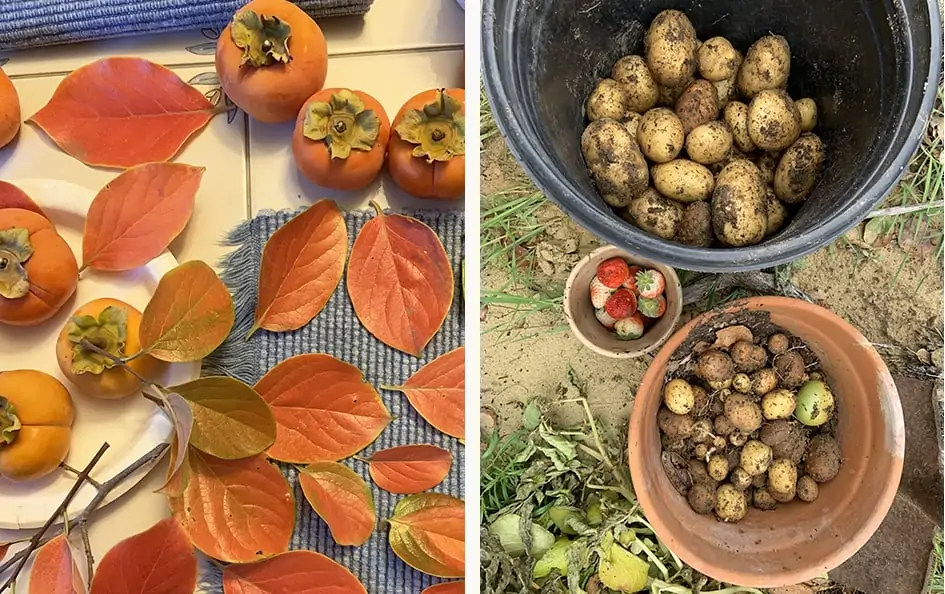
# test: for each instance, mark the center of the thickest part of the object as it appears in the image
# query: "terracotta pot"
(580, 313)
(798, 541)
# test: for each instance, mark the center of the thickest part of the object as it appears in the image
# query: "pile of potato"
(695, 144)
(752, 427)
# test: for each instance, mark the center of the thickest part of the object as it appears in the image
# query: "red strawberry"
(631, 282)
(612, 272)
(604, 318)
(630, 328)
(652, 308)
(650, 284)
(599, 293)
(622, 304)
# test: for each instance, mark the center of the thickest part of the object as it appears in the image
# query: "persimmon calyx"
(108, 332)
(15, 250)
(438, 129)
(9, 423)
(264, 40)
(342, 123)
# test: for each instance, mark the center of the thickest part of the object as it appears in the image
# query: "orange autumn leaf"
(446, 588)
(400, 281)
(410, 469)
(55, 570)
(159, 560)
(236, 511)
(13, 197)
(302, 265)
(122, 112)
(138, 214)
(342, 499)
(438, 392)
(295, 572)
(427, 532)
(325, 410)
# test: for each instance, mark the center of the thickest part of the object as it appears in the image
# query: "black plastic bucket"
(872, 66)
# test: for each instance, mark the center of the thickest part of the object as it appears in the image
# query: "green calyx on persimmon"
(9, 422)
(108, 332)
(342, 123)
(15, 250)
(264, 40)
(437, 130)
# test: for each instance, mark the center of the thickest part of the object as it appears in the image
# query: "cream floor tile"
(393, 79)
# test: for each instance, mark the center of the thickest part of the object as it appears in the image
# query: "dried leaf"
(295, 572)
(55, 570)
(438, 392)
(726, 337)
(13, 197)
(324, 409)
(175, 482)
(178, 410)
(302, 265)
(231, 421)
(427, 533)
(122, 112)
(237, 511)
(410, 469)
(446, 588)
(189, 315)
(400, 281)
(159, 560)
(138, 214)
(341, 498)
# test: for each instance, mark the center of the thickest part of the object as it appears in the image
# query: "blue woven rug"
(28, 24)
(336, 331)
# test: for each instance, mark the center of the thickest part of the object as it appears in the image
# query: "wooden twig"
(75, 472)
(901, 210)
(89, 557)
(89, 345)
(758, 282)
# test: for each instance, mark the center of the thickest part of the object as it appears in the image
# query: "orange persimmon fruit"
(426, 153)
(270, 59)
(38, 272)
(340, 139)
(112, 326)
(36, 416)
(9, 110)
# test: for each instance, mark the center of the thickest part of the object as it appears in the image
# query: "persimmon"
(426, 154)
(9, 110)
(38, 272)
(340, 139)
(270, 59)
(111, 326)
(36, 416)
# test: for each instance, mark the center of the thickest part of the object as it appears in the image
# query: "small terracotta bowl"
(580, 312)
(798, 541)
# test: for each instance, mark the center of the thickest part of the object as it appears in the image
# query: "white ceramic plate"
(131, 426)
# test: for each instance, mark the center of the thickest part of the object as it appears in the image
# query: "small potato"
(718, 60)
(683, 180)
(773, 120)
(763, 500)
(767, 65)
(700, 451)
(670, 48)
(823, 458)
(698, 104)
(675, 427)
(717, 467)
(808, 110)
(714, 365)
(726, 90)
(748, 357)
(763, 381)
(790, 369)
(722, 386)
(710, 143)
(777, 213)
(741, 383)
(641, 90)
(660, 135)
(787, 440)
(678, 396)
(807, 489)
(702, 431)
(701, 498)
(722, 426)
(798, 169)
(699, 473)
(740, 478)
(700, 398)
(778, 344)
(719, 442)
(608, 100)
(735, 115)
(756, 457)
(730, 503)
(655, 214)
(782, 480)
(739, 210)
(632, 123)
(778, 404)
(695, 226)
(744, 414)
(738, 438)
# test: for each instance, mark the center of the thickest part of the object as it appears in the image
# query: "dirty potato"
(695, 226)
(799, 168)
(748, 357)
(660, 135)
(790, 369)
(702, 431)
(608, 100)
(699, 473)
(722, 426)
(710, 143)
(763, 500)
(767, 65)
(739, 209)
(726, 91)
(778, 343)
(755, 458)
(606, 141)
(740, 478)
(823, 458)
(698, 104)
(741, 383)
(730, 503)
(674, 426)
(807, 489)
(718, 60)
(655, 214)
(717, 467)
(767, 163)
(778, 404)
(701, 498)
(744, 414)
(787, 440)
(683, 180)
(678, 396)
(735, 115)
(641, 90)
(782, 480)
(773, 120)
(714, 365)
(808, 110)
(615, 163)
(763, 381)
(777, 213)
(670, 47)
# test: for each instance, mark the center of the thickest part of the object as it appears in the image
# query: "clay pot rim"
(690, 555)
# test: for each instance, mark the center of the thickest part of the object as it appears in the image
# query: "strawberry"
(599, 293)
(612, 272)
(604, 318)
(631, 282)
(622, 304)
(650, 283)
(630, 328)
(652, 308)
